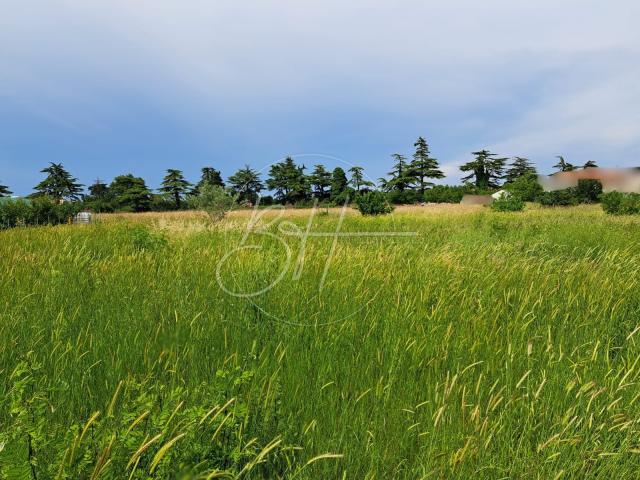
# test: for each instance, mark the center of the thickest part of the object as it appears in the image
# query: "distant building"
(476, 200)
(83, 217)
(620, 179)
(499, 194)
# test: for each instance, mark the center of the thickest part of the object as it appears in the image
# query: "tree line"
(410, 180)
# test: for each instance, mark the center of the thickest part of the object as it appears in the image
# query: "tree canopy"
(288, 181)
(175, 185)
(246, 184)
(423, 167)
(59, 184)
(486, 170)
(400, 175)
(563, 165)
(357, 180)
(320, 181)
(339, 185)
(131, 193)
(519, 167)
(4, 191)
(590, 164)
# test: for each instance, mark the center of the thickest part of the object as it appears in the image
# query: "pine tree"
(563, 165)
(211, 176)
(357, 179)
(4, 191)
(339, 185)
(99, 189)
(59, 184)
(520, 167)
(423, 166)
(320, 181)
(175, 185)
(246, 184)
(130, 193)
(486, 170)
(383, 184)
(400, 175)
(289, 181)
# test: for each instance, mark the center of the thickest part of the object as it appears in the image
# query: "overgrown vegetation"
(618, 203)
(410, 181)
(39, 211)
(214, 200)
(373, 203)
(509, 350)
(508, 203)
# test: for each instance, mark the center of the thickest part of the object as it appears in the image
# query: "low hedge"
(618, 203)
(39, 211)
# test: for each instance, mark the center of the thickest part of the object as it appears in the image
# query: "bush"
(145, 240)
(39, 211)
(162, 203)
(405, 197)
(214, 200)
(560, 198)
(618, 203)
(373, 203)
(526, 188)
(445, 194)
(589, 191)
(508, 203)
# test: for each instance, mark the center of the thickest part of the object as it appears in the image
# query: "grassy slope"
(492, 345)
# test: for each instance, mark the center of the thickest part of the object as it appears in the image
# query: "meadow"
(480, 345)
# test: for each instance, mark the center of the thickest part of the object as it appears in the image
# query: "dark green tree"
(339, 185)
(590, 164)
(401, 179)
(130, 193)
(99, 198)
(246, 184)
(288, 180)
(209, 176)
(175, 185)
(525, 187)
(383, 184)
(588, 190)
(520, 167)
(99, 189)
(320, 181)
(486, 170)
(4, 191)
(423, 166)
(563, 165)
(59, 184)
(357, 180)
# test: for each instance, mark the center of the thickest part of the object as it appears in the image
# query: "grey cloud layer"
(539, 76)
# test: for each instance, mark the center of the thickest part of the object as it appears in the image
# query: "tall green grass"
(489, 346)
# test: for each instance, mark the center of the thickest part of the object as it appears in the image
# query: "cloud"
(356, 79)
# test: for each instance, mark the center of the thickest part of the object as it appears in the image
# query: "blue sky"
(116, 87)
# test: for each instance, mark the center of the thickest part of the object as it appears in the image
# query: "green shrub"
(526, 188)
(406, 197)
(445, 194)
(145, 240)
(39, 211)
(214, 200)
(560, 198)
(618, 203)
(373, 203)
(508, 203)
(589, 191)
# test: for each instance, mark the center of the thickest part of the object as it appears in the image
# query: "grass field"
(487, 346)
